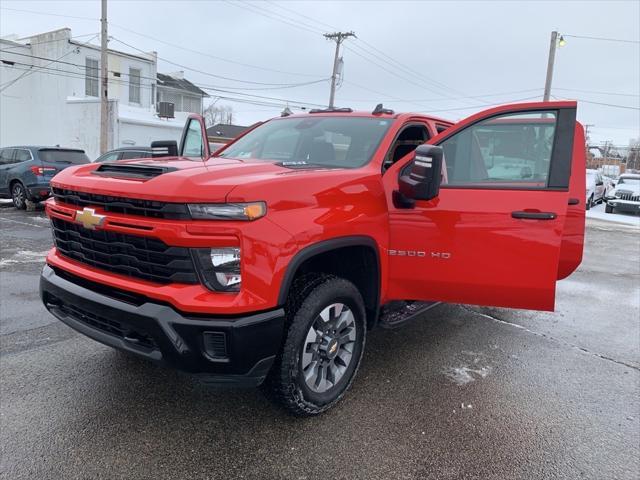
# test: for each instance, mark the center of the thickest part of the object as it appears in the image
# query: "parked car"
(625, 197)
(124, 153)
(595, 188)
(25, 171)
(269, 261)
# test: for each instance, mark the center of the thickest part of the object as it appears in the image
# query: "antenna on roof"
(286, 112)
(379, 110)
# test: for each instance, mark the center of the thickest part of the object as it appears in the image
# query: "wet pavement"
(464, 392)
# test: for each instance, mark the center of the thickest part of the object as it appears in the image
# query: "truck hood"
(175, 179)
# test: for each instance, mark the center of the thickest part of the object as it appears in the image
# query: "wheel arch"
(328, 256)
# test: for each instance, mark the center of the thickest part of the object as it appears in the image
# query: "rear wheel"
(323, 347)
(590, 202)
(19, 195)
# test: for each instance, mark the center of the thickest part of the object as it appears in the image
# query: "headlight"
(228, 211)
(219, 268)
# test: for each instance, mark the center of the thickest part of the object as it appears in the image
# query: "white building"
(49, 95)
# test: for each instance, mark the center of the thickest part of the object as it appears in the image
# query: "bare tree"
(633, 158)
(215, 114)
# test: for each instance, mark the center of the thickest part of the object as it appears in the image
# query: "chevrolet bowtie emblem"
(88, 218)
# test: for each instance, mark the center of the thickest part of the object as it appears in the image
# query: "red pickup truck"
(268, 262)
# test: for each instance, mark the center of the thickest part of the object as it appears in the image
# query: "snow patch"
(598, 213)
(465, 374)
(24, 256)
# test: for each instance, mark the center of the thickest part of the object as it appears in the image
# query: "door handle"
(534, 215)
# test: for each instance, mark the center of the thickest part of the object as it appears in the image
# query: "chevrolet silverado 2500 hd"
(269, 262)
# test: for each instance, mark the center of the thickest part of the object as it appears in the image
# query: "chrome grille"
(627, 195)
(146, 258)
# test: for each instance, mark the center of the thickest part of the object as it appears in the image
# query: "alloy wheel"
(328, 347)
(18, 195)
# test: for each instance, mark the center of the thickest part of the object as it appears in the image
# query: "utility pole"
(586, 131)
(552, 58)
(104, 90)
(337, 37)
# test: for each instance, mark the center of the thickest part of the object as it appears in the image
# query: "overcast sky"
(449, 58)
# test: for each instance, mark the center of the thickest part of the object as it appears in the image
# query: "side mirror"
(164, 148)
(422, 181)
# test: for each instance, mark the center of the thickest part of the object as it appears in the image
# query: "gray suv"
(25, 171)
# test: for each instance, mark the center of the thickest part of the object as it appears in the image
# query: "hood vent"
(144, 172)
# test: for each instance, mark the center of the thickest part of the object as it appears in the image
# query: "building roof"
(179, 84)
(225, 131)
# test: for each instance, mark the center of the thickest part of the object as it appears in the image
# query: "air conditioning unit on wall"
(166, 110)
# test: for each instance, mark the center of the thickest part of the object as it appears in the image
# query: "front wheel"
(608, 209)
(590, 202)
(325, 338)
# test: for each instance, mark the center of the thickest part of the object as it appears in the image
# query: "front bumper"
(229, 350)
(623, 205)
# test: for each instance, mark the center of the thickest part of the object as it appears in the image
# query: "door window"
(193, 141)
(512, 150)
(6, 156)
(22, 155)
(406, 142)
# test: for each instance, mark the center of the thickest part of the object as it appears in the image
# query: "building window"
(91, 77)
(134, 85)
(191, 104)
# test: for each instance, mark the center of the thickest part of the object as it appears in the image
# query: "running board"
(395, 314)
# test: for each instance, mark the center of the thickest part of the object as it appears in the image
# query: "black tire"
(589, 203)
(19, 195)
(310, 295)
(608, 209)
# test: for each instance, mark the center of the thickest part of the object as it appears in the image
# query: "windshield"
(629, 181)
(63, 156)
(344, 142)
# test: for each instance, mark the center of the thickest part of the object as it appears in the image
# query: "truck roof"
(362, 113)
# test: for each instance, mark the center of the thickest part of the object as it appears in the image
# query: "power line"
(208, 73)
(392, 72)
(34, 12)
(212, 88)
(601, 103)
(284, 86)
(215, 57)
(255, 9)
(480, 106)
(587, 37)
(598, 92)
(27, 45)
(302, 15)
(607, 104)
(252, 100)
(379, 55)
(31, 72)
(394, 100)
(315, 30)
(134, 32)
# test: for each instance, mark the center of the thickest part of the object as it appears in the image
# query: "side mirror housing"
(424, 176)
(164, 148)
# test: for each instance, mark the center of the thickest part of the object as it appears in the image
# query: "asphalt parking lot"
(465, 392)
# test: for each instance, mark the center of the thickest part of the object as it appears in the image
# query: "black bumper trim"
(170, 337)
